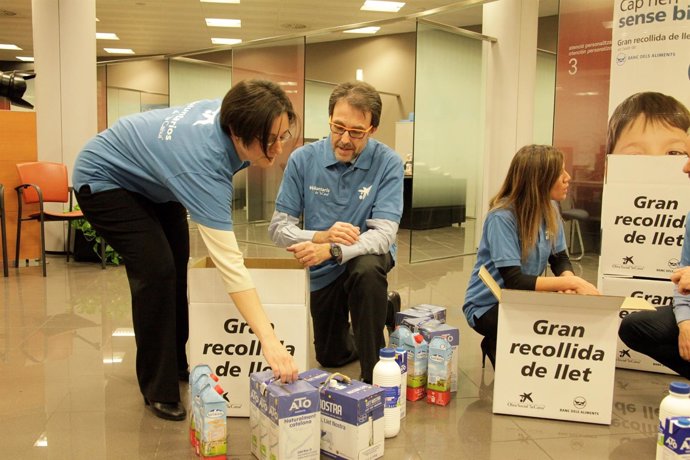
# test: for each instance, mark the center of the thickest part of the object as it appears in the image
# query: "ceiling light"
(42, 441)
(363, 30)
(116, 358)
(226, 41)
(106, 36)
(219, 1)
(118, 50)
(123, 332)
(386, 7)
(25, 58)
(8, 46)
(216, 22)
(287, 83)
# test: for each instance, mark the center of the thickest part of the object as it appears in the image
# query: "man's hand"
(684, 340)
(681, 277)
(310, 254)
(340, 232)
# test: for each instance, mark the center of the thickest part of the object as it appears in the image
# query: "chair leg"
(69, 238)
(17, 242)
(576, 230)
(43, 245)
(102, 254)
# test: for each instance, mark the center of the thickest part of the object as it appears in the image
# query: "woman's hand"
(282, 363)
(582, 286)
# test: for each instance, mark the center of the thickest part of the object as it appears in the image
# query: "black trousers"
(487, 325)
(655, 333)
(153, 239)
(361, 293)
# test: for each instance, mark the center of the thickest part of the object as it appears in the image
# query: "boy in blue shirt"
(348, 189)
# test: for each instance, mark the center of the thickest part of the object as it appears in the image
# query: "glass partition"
(443, 190)
(544, 95)
(281, 62)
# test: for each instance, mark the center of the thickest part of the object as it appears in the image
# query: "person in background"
(648, 123)
(664, 333)
(135, 183)
(348, 189)
(523, 232)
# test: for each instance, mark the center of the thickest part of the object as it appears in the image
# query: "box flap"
(490, 282)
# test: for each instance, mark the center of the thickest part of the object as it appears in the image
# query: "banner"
(650, 49)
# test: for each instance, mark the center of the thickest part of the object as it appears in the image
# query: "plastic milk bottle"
(387, 377)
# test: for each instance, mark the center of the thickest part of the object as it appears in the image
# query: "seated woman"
(522, 232)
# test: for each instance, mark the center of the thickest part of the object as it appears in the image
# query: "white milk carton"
(257, 383)
(351, 416)
(212, 425)
(417, 351)
(293, 411)
(435, 328)
(421, 311)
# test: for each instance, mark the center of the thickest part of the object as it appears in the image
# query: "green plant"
(83, 225)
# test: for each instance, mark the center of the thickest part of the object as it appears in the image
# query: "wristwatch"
(336, 253)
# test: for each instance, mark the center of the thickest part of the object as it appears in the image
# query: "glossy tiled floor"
(69, 390)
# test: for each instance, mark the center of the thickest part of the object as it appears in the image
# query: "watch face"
(335, 250)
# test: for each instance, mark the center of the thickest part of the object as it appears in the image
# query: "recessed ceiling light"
(217, 22)
(386, 7)
(363, 30)
(226, 41)
(25, 58)
(42, 441)
(9, 46)
(123, 332)
(106, 36)
(119, 50)
(219, 1)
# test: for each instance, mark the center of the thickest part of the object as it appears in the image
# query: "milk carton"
(197, 371)
(438, 381)
(417, 349)
(676, 438)
(202, 381)
(397, 337)
(293, 411)
(435, 328)
(401, 359)
(212, 425)
(414, 323)
(421, 311)
(257, 383)
(351, 416)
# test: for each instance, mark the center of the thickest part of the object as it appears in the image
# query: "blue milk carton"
(438, 380)
(293, 411)
(197, 371)
(213, 443)
(202, 381)
(257, 382)
(397, 337)
(401, 359)
(676, 438)
(351, 416)
(435, 328)
(417, 350)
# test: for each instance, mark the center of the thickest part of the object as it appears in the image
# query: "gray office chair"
(575, 216)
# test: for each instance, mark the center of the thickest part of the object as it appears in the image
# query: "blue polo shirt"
(500, 247)
(176, 154)
(324, 191)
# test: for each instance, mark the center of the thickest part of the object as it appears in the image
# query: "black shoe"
(487, 352)
(393, 308)
(169, 411)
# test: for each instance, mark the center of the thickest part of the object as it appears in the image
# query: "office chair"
(45, 182)
(3, 229)
(575, 216)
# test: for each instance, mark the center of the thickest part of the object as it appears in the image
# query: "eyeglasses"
(287, 135)
(354, 133)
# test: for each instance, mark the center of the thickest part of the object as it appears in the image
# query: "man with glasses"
(348, 190)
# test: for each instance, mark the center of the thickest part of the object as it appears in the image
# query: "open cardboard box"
(219, 336)
(556, 353)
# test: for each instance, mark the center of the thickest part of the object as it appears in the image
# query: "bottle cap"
(214, 377)
(399, 349)
(418, 338)
(680, 387)
(219, 389)
(387, 353)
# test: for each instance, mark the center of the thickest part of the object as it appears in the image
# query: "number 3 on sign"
(573, 66)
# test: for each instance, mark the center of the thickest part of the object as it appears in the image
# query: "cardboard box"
(657, 293)
(556, 353)
(643, 215)
(219, 337)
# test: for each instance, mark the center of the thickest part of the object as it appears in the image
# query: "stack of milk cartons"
(284, 418)
(258, 418)
(352, 424)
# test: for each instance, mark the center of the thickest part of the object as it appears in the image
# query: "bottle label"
(392, 395)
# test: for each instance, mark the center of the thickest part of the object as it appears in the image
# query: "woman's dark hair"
(249, 109)
(359, 95)
(656, 108)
